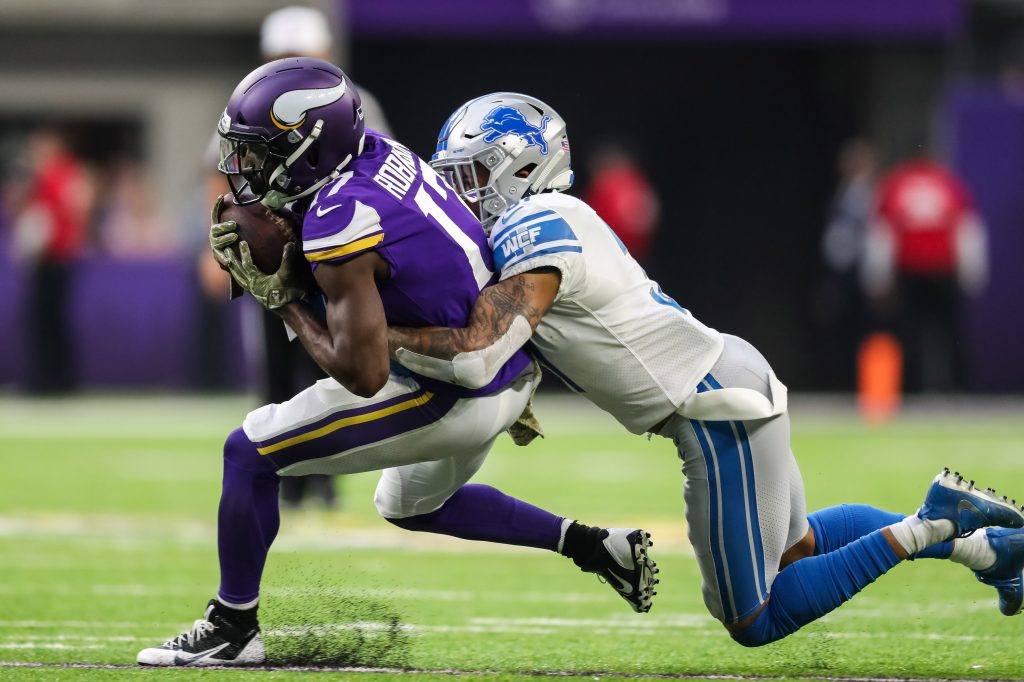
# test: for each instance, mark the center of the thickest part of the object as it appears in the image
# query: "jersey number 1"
(436, 214)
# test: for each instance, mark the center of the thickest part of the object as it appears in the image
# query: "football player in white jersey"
(597, 321)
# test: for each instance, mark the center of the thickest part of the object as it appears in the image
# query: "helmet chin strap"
(275, 199)
(544, 181)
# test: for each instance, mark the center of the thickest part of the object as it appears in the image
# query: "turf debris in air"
(335, 631)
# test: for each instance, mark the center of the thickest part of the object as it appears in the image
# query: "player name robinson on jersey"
(397, 172)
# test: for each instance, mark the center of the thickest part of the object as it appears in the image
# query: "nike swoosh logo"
(967, 505)
(320, 212)
(624, 587)
(186, 659)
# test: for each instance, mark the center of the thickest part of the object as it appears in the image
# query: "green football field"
(107, 545)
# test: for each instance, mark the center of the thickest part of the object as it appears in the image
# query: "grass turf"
(107, 545)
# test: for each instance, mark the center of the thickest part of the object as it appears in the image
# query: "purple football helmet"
(290, 127)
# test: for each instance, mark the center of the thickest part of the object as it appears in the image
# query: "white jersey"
(611, 332)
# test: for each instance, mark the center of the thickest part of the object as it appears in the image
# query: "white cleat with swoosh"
(216, 639)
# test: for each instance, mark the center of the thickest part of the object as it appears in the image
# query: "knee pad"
(241, 452)
(388, 505)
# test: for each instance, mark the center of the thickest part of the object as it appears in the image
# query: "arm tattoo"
(491, 317)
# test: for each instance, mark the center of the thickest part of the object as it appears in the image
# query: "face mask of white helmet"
(498, 149)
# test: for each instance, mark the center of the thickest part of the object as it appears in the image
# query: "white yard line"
(50, 646)
(596, 674)
(690, 624)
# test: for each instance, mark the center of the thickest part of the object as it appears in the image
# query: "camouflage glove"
(526, 428)
(222, 235)
(272, 291)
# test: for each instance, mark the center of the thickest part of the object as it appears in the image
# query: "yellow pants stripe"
(346, 421)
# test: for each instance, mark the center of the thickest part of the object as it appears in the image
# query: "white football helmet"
(500, 148)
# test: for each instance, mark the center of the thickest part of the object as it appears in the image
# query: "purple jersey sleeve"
(338, 226)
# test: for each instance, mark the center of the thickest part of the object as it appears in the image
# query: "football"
(266, 232)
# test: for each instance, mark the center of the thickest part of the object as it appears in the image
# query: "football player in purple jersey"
(390, 242)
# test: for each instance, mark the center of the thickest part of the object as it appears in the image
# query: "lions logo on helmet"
(505, 120)
(495, 156)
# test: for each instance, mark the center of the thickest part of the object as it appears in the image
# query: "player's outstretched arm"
(502, 320)
(353, 346)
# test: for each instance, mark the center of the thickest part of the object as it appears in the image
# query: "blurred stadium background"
(735, 110)
(739, 145)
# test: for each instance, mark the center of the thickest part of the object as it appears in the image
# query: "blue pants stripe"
(715, 504)
(736, 533)
(755, 526)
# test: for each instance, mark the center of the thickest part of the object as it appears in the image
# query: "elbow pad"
(474, 369)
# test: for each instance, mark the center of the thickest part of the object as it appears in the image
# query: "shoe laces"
(200, 628)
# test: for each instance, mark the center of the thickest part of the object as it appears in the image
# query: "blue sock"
(836, 527)
(808, 589)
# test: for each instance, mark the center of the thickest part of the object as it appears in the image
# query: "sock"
(239, 607)
(974, 551)
(808, 589)
(480, 512)
(247, 520)
(916, 534)
(836, 527)
(580, 540)
(561, 537)
(243, 615)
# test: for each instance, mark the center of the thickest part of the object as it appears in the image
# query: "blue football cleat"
(1005, 573)
(969, 508)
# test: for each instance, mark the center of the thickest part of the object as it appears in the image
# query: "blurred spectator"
(621, 194)
(129, 222)
(843, 241)
(293, 31)
(50, 220)
(926, 248)
(840, 305)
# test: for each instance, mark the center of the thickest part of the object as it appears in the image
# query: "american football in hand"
(266, 232)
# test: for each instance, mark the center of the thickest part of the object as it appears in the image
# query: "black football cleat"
(621, 560)
(216, 639)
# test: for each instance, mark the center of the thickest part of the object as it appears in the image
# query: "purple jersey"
(390, 201)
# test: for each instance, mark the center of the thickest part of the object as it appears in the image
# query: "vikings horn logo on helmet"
(289, 110)
(224, 125)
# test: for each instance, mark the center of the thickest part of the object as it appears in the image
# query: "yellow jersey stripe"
(346, 421)
(351, 247)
